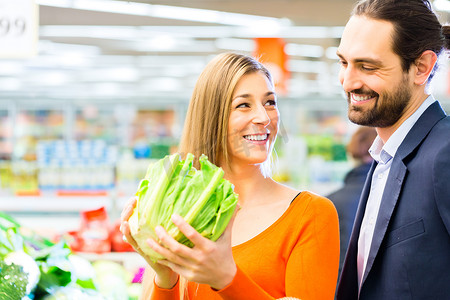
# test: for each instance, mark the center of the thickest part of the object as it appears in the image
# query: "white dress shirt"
(383, 154)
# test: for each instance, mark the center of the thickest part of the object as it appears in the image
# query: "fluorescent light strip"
(131, 32)
(442, 5)
(165, 11)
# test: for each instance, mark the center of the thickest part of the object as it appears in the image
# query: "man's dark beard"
(383, 114)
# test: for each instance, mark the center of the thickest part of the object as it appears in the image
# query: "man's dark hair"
(416, 27)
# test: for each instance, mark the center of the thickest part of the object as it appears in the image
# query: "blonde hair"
(206, 126)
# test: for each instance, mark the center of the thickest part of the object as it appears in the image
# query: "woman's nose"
(261, 116)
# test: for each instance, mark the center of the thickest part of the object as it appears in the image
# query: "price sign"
(18, 28)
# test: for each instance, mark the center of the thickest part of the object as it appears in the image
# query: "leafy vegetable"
(74, 293)
(54, 266)
(13, 250)
(28, 265)
(202, 197)
(44, 265)
(13, 281)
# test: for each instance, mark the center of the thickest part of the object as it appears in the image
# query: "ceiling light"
(305, 66)
(442, 5)
(10, 84)
(164, 11)
(51, 78)
(147, 32)
(315, 51)
(235, 44)
(10, 68)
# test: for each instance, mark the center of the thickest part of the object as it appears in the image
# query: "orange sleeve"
(243, 287)
(165, 294)
(315, 258)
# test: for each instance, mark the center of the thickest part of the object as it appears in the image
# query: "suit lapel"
(388, 203)
(348, 287)
(396, 177)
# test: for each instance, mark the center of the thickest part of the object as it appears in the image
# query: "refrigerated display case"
(34, 125)
(6, 141)
(6, 144)
(63, 157)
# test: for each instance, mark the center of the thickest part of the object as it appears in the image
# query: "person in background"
(282, 242)
(346, 199)
(400, 244)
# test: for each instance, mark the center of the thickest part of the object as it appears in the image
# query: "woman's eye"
(242, 105)
(271, 103)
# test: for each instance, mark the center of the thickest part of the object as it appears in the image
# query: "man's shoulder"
(439, 127)
(435, 145)
(441, 131)
(443, 124)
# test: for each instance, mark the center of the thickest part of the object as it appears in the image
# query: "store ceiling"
(86, 55)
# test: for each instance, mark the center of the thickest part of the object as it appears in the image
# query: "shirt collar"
(384, 152)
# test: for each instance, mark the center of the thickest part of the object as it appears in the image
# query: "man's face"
(378, 90)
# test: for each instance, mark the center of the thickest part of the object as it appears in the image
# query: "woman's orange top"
(297, 256)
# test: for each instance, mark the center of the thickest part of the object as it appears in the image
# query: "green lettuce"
(13, 281)
(202, 197)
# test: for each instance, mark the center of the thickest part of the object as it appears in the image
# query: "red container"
(117, 242)
(94, 231)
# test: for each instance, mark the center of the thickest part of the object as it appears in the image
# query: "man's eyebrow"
(368, 60)
(363, 60)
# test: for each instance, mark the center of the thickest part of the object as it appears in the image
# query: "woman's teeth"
(259, 137)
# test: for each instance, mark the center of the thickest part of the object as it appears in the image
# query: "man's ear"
(424, 65)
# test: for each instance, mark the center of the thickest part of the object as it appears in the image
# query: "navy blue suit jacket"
(410, 253)
(346, 201)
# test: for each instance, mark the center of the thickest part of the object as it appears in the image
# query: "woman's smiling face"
(253, 121)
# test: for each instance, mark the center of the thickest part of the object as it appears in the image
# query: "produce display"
(32, 267)
(202, 197)
(13, 281)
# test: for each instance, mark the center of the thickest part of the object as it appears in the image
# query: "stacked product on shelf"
(86, 165)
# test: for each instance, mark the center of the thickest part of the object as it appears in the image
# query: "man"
(400, 243)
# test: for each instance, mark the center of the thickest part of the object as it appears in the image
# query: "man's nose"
(350, 79)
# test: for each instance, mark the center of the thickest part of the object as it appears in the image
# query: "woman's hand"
(165, 277)
(207, 262)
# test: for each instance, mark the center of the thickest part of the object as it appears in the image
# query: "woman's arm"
(312, 269)
(164, 276)
(151, 291)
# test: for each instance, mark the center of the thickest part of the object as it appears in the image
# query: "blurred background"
(93, 91)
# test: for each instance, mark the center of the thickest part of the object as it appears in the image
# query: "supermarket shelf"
(49, 225)
(52, 204)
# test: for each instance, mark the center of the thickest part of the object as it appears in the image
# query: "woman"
(281, 242)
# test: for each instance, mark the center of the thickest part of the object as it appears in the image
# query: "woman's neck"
(249, 182)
